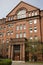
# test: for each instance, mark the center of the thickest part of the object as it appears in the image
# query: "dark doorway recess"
(16, 52)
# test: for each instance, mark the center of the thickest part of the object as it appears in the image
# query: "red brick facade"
(24, 21)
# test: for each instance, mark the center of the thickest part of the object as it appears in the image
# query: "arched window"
(21, 14)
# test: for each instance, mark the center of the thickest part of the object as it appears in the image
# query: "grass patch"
(5, 62)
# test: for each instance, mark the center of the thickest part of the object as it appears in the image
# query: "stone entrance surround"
(20, 42)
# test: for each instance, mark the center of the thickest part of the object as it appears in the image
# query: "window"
(17, 27)
(33, 13)
(7, 40)
(36, 13)
(20, 26)
(17, 35)
(35, 21)
(29, 14)
(9, 18)
(35, 29)
(1, 28)
(20, 35)
(12, 17)
(4, 27)
(30, 22)
(33, 46)
(24, 34)
(31, 30)
(3, 41)
(17, 48)
(10, 32)
(1, 34)
(35, 37)
(10, 25)
(24, 26)
(21, 14)
(31, 38)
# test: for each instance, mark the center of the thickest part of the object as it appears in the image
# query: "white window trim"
(24, 34)
(24, 26)
(17, 35)
(31, 30)
(20, 35)
(17, 27)
(35, 29)
(31, 38)
(21, 26)
(35, 21)
(30, 22)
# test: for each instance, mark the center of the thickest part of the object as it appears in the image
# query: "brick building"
(24, 22)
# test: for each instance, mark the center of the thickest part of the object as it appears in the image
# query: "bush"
(5, 62)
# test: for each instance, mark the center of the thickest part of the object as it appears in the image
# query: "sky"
(7, 5)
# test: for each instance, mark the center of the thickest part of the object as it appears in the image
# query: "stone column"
(30, 55)
(12, 52)
(23, 52)
(20, 52)
(9, 52)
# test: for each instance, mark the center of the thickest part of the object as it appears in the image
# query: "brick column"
(12, 52)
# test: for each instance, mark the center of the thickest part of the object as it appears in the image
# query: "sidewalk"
(24, 63)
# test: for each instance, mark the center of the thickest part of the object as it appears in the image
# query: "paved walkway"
(23, 63)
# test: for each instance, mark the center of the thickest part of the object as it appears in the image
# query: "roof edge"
(18, 4)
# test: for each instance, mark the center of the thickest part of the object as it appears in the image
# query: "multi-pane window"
(30, 22)
(35, 37)
(1, 34)
(3, 41)
(33, 13)
(24, 34)
(24, 26)
(4, 27)
(29, 14)
(17, 35)
(20, 26)
(12, 18)
(10, 32)
(36, 13)
(31, 38)
(7, 40)
(9, 18)
(21, 14)
(0, 28)
(35, 21)
(20, 35)
(10, 25)
(31, 30)
(35, 29)
(17, 27)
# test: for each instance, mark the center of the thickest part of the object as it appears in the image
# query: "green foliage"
(34, 46)
(5, 62)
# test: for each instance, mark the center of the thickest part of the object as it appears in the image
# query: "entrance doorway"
(34, 58)
(16, 53)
